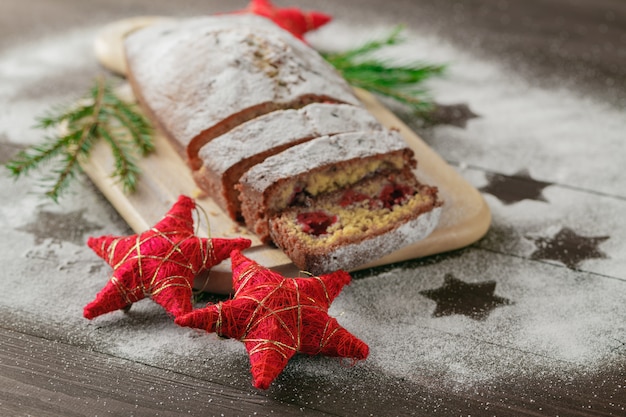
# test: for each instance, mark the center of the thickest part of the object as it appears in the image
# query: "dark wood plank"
(579, 43)
(41, 377)
(50, 378)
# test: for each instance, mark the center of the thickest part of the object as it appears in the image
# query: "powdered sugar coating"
(327, 119)
(194, 73)
(319, 152)
(281, 128)
(253, 137)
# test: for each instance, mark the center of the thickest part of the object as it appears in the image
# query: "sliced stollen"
(198, 78)
(226, 158)
(322, 165)
(351, 227)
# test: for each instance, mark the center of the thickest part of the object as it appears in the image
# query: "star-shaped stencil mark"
(276, 317)
(160, 263)
(514, 188)
(475, 300)
(568, 247)
(60, 227)
(291, 19)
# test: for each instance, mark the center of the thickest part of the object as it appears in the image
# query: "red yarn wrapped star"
(277, 317)
(289, 18)
(160, 263)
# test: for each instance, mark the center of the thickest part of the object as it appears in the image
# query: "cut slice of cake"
(226, 158)
(198, 78)
(325, 164)
(350, 227)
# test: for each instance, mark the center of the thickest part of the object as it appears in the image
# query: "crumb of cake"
(238, 230)
(198, 194)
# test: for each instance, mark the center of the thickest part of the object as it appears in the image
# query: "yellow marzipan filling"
(331, 179)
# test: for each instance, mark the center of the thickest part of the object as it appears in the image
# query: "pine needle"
(100, 115)
(401, 82)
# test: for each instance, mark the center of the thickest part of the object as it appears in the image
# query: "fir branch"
(401, 82)
(99, 115)
(135, 124)
(125, 167)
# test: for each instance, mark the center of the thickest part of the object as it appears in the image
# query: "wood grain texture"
(49, 378)
(44, 378)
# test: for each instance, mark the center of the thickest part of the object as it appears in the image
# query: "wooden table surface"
(530, 320)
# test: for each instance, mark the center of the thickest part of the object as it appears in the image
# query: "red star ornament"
(289, 18)
(277, 317)
(160, 263)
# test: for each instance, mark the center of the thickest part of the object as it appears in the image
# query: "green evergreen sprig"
(100, 115)
(400, 82)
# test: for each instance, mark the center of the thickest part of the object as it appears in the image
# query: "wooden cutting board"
(465, 217)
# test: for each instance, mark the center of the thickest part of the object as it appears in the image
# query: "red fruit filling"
(350, 197)
(394, 194)
(316, 222)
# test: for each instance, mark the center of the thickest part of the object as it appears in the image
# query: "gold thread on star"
(276, 317)
(160, 263)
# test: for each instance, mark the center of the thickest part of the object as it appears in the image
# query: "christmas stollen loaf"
(200, 77)
(277, 138)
